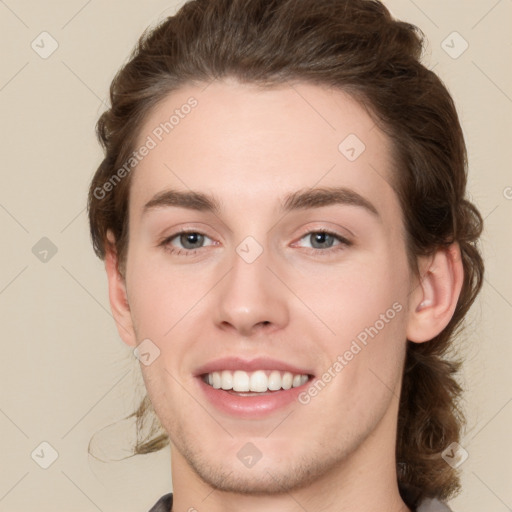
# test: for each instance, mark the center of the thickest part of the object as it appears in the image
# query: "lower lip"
(252, 406)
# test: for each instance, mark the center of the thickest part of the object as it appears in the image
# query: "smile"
(259, 381)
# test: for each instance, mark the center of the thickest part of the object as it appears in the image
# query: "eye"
(325, 241)
(185, 242)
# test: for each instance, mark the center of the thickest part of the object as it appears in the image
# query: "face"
(266, 250)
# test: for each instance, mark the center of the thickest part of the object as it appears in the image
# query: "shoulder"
(432, 505)
(164, 504)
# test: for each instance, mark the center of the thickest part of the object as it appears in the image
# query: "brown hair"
(356, 46)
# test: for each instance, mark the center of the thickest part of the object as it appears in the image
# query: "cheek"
(167, 397)
(363, 305)
(371, 329)
(160, 296)
(351, 298)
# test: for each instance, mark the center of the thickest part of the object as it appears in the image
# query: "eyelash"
(343, 243)
(166, 243)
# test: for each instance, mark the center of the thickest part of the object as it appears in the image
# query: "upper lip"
(260, 363)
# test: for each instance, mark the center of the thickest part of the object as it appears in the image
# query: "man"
(286, 257)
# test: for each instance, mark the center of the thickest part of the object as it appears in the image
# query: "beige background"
(65, 374)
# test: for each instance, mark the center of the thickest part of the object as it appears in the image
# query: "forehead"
(250, 145)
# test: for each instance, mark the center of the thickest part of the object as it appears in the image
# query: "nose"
(250, 299)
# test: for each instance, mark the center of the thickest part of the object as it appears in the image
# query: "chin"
(265, 477)
(266, 480)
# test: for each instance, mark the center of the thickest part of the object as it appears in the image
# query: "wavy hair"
(358, 47)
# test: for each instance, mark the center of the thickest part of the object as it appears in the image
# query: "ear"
(117, 294)
(433, 302)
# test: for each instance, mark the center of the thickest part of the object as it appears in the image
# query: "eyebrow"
(319, 197)
(183, 199)
(299, 200)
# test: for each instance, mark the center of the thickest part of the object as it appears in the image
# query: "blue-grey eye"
(191, 240)
(322, 240)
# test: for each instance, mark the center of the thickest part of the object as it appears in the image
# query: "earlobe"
(117, 294)
(433, 302)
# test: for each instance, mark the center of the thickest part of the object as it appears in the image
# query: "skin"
(249, 148)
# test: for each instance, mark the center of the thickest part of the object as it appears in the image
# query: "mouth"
(257, 383)
(251, 389)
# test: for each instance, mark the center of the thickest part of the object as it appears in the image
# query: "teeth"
(259, 381)
(226, 379)
(287, 380)
(241, 381)
(274, 381)
(216, 380)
